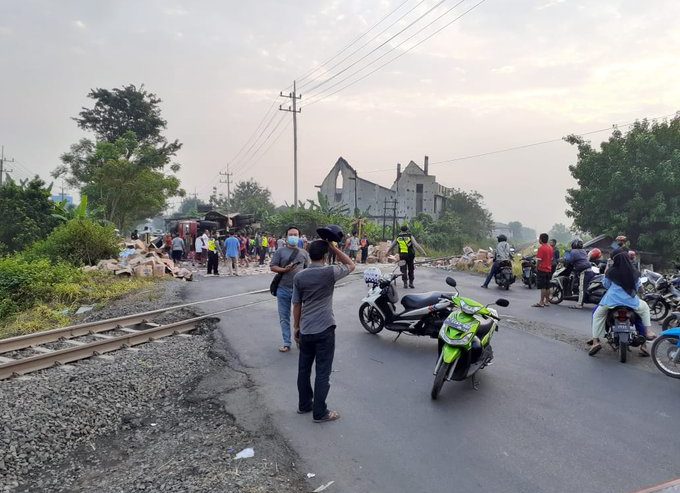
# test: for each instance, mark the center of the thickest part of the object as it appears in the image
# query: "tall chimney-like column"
(398, 170)
(427, 164)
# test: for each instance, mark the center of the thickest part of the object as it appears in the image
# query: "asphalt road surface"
(546, 418)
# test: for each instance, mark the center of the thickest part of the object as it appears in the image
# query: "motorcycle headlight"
(462, 341)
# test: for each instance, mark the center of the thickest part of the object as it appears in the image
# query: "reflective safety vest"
(405, 243)
(212, 245)
(265, 241)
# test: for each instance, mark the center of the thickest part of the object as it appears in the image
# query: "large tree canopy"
(250, 197)
(121, 110)
(630, 186)
(26, 212)
(122, 179)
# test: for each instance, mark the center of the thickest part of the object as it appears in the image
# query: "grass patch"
(53, 306)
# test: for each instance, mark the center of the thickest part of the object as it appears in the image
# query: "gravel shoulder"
(166, 416)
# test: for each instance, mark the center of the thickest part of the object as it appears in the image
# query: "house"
(413, 191)
(607, 244)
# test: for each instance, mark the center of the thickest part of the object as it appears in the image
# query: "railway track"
(32, 352)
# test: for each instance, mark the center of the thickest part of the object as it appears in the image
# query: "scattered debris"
(323, 487)
(246, 453)
(140, 261)
(310, 475)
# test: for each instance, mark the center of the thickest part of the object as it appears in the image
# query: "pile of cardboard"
(139, 261)
(378, 253)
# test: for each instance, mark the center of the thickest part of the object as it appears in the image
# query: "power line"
(525, 146)
(323, 64)
(314, 101)
(276, 139)
(377, 48)
(294, 97)
(4, 171)
(244, 163)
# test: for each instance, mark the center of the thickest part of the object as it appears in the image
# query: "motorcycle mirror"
(401, 263)
(451, 281)
(502, 302)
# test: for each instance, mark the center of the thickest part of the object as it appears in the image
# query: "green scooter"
(465, 340)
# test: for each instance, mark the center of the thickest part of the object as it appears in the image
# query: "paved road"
(547, 418)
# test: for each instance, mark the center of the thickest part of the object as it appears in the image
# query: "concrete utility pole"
(3, 170)
(294, 109)
(227, 181)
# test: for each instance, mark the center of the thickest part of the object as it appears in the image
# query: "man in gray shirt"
(281, 264)
(502, 254)
(314, 325)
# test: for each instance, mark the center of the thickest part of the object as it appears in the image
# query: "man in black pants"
(407, 245)
(314, 325)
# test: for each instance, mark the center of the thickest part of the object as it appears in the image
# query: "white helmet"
(372, 275)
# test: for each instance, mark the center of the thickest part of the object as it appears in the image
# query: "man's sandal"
(595, 349)
(284, 349)
(330, 416)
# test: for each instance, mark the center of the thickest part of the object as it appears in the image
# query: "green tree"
(249, 197)
(127, 109)
(631, 185)
(474, 219)
(125, 179)
(27, 211)
(561, 233)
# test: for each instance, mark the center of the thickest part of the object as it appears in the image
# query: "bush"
(79, 241)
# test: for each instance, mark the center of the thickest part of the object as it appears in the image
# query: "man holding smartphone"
(287, 261)
(314, 325)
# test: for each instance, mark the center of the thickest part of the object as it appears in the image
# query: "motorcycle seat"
(414, 301)
(484, 328)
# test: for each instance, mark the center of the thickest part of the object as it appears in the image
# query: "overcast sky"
(510, 72)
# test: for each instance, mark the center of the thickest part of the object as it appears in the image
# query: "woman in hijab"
(622, 282)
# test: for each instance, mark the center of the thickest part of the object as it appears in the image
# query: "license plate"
(622, 328)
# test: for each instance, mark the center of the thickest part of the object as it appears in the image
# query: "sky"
(506, 74)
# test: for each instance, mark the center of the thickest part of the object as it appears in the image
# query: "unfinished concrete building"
(413, 191)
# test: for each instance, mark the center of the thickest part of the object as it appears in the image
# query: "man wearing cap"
(407, 245)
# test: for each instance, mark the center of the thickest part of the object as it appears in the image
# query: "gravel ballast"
(143, 419)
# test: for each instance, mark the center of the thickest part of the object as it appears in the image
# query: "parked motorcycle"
(621, 330)
(665, 298)
(666, 352)
(465, 340)
(529, 271)
(504, 277)
(422, 315)
(562, 286)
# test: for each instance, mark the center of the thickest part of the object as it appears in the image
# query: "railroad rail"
(68, 344)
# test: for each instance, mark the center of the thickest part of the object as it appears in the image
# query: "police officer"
(213, 256)
(407, 245)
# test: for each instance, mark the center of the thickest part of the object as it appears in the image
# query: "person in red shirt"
(545, 259)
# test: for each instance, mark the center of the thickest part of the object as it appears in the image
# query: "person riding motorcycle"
(622, 283)
(577, 258)
(501, 254)
(407, 245)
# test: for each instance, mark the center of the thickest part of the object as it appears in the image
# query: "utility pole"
(227, 181)
(3, 170)
(294, 109)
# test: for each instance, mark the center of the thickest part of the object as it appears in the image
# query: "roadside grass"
(56, 303)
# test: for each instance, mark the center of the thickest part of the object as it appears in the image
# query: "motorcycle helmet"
(577, 244)
(632, 254)
(501, 238)
(332, 232)
(594, 255)
(372, 275)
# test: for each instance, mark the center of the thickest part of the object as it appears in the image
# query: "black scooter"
(504, 277)
(529, 271)
(563, 287)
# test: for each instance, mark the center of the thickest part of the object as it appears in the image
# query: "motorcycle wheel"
(439, 380)
(671, 322)
(658, 309)
(371, 318)
(663, 353)
(623, 351)
(556, 295)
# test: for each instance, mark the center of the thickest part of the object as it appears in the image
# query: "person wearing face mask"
(288, 261)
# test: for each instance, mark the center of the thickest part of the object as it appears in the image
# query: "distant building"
(413, 189)
(59, 198)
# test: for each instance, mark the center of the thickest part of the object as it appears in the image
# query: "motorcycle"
(504, 277)
(465, 340)
(529, 271)
(666, 352)
(621, 330)
(562, 286)
(666, 297)
(422, 315)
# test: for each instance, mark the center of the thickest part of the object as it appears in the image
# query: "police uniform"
(213, 257)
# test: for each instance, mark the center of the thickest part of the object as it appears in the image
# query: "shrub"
(80, 241)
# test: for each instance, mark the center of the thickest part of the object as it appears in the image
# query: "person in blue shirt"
(622, 283)
(232, 248)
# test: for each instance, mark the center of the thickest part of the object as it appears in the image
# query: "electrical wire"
(427, 12)
(244, 164)
(314, 101)
(264, 153)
